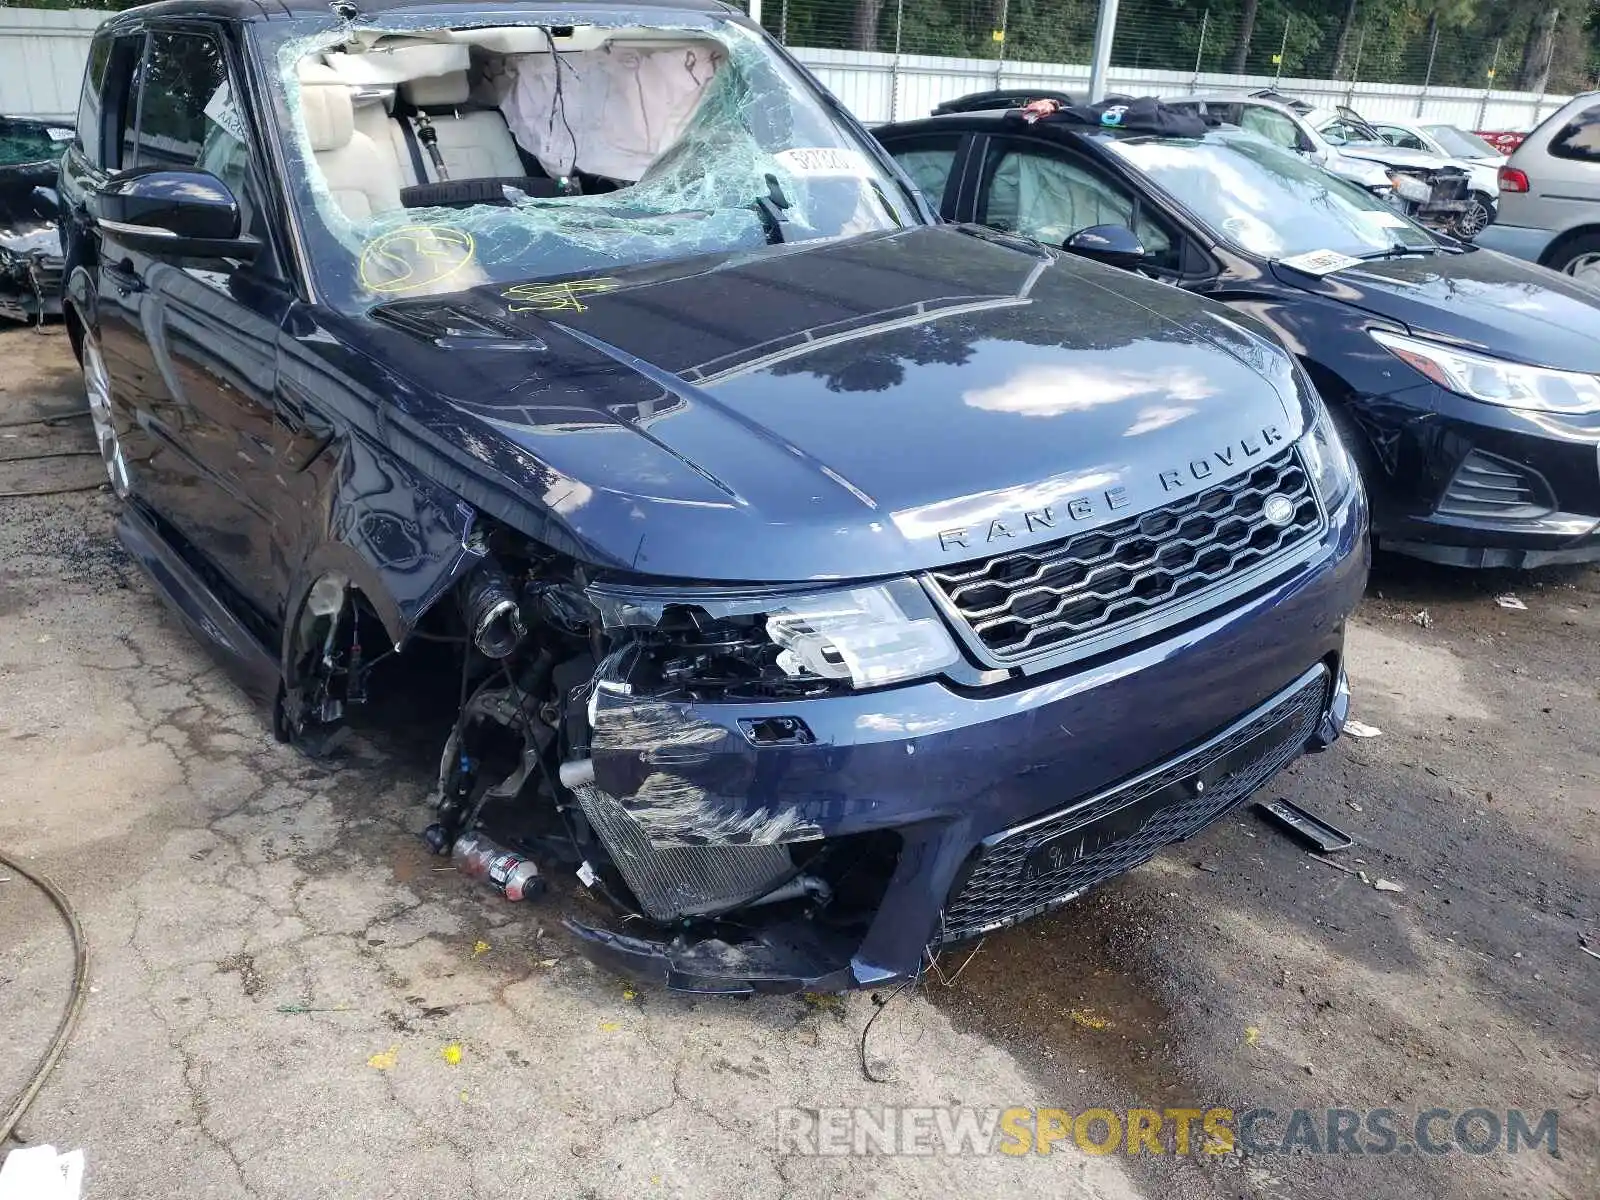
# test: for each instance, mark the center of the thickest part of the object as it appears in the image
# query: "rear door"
(191, 344)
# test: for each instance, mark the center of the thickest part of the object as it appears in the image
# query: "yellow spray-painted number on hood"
(414, 257)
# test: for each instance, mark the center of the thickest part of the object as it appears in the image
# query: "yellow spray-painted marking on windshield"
(414, 257)
(554, 297)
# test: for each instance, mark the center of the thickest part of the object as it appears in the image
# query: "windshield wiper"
(1398, 250)
(772, 208)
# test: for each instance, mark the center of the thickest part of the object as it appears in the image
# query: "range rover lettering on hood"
(1103, 502)
(1201, 470)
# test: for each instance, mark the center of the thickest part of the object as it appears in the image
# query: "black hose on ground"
(69, 1016)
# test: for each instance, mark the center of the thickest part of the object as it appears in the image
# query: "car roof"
(257, 10)
(983, 119)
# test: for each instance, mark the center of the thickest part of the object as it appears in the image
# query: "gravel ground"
(290, 999)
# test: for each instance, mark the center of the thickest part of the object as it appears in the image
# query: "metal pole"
(1100, 64)
(1427, 77)
(1483, 105)
(1194, 82)
(1283, 48)
(894, 69)
(1355, 70)
(1000, 63)
(783, 23)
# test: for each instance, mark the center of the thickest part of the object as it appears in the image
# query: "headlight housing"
(1409, 187)
(862, 636)
(1332, 473)
(1495, 380)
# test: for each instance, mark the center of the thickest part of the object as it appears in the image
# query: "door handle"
(124, 280)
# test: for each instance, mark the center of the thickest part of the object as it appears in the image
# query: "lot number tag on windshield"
(823, 160)
(1320, 262)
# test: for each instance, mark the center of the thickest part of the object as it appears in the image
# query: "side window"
(1401, 137)
(182, 73)
(1580, 137)
(94, 78)
(127, 74)
(928, 161)
(1274, 126)
(1049, 197)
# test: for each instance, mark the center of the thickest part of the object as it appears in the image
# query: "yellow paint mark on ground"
(480, 947)
(629, 994)
(546, 962)
(385, 1060)
(1087, 1018)
(609, 1026)
(1251, 1035)
(452, 1054)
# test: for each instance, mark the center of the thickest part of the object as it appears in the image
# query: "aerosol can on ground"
(511, 874)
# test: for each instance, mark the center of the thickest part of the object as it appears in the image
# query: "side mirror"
(1114, 245)
(181, 213)
(46, 203)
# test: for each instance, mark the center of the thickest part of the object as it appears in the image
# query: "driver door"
(191, 344)
(1043, 192)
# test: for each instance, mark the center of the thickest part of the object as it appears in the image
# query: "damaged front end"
(30, 264)
(584, 741)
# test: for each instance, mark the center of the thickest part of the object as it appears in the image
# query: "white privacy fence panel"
(42, 52)
(887, 87)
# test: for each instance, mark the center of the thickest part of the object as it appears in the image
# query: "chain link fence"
(1505, 65)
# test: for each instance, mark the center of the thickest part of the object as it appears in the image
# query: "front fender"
(392, 532)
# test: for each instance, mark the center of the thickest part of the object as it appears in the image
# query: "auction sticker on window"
(823, 160)
(1320, 262)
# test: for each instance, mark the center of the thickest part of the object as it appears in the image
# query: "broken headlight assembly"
(783, 642)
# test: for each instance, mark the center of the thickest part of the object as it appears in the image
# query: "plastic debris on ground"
(1358, 729)
(39, 1173)
(1510, 601)
(1422, 618)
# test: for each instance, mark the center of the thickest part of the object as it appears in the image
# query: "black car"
(1464, 381)
(30, 243)
(816, 582)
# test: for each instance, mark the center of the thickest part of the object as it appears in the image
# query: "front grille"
(1037, 601)
(997, 889)
(1488, 486)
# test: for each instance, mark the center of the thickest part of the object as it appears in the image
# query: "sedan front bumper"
(1465, 483)
(998, 803)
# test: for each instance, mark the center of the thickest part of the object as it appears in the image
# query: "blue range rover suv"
(819, 582)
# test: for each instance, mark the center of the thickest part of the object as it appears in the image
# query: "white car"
(1480, 160)
(1339, 141)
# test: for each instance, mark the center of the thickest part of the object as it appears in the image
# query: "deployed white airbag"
(610, 112)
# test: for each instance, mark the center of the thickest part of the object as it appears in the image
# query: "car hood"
(1394, 156)
(1478, 299)
(837, 410)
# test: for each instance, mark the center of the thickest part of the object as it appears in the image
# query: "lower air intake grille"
(1489, 486)
(681, 881)
(1005, 883)
(1037, 601)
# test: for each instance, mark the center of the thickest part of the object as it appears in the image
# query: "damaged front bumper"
(974, 807)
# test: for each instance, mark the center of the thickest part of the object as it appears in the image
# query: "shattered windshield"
(426, 157)
(1268, 201)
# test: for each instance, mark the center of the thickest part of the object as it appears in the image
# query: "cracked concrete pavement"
(292, 999)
